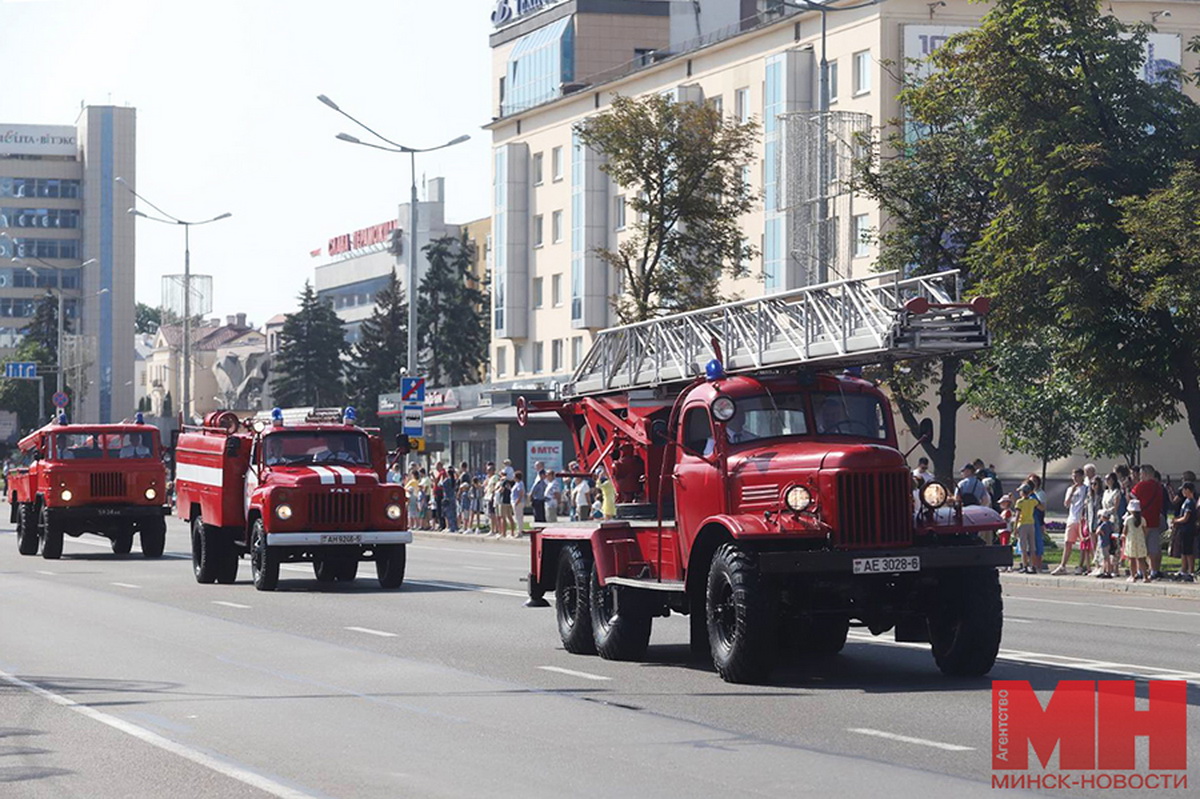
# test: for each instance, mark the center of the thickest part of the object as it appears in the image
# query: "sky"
(228, 119)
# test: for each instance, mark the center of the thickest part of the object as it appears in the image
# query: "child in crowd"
(1108, 545)
(1184, 528)
(1026, 528)
(1133, 543)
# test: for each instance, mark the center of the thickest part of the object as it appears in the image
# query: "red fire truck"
(764, 495)
(304, 485)
(106, 479)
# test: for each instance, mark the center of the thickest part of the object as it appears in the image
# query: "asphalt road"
(123, 677)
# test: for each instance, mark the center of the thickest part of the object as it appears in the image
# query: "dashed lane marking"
(48, 574)
(908, 739)
(1008, 597)
(231, 604)
(369, 631)
(208, 761)
(125, 585)
(572, 673)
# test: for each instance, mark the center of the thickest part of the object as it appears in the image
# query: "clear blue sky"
(228, 118)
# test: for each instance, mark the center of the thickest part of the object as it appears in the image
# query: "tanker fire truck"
(304, 485)
(764, 495)
(106, 479)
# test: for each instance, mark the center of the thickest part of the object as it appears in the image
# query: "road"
(121, 676)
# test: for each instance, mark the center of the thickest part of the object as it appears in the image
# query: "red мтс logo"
(1094, 724)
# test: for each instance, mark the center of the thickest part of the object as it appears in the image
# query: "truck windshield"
(89, 446)
(315, 446)
(858, 415)
(767, 417)
(129, 445)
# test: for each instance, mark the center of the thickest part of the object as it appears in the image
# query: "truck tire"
(966, 625)
(571, 591)
(264, 561)
(228, 559)
(122, 542)
(52, 536)
(153, 536)
(822, 635)
(323, 569)
(345, 570)
(204, 556)
(27, 534)
(390, 561)
(741, 624)
(618, 636)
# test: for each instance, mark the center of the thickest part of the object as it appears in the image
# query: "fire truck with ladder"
(300, 485)
(764, 495)
(106, 479)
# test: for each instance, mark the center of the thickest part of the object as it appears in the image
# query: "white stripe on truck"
(195, 473)
(346, 475)
(327, 477)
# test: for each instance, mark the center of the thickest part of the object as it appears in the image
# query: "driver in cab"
(734, 434)
(832, 416)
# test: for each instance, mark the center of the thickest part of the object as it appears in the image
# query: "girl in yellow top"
(1027, 528)
(1133, 544)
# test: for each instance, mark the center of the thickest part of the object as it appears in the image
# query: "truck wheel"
(227, 557)
(346, 569)
(822, 635)
(122, 542)
(154, 537)
(27, 536)
(741, 624)
(618, 636)
(390, 560)
(323, 569)
(571, 601)
(264, 562)
(966, 625)
(204, 558)
(52, 536)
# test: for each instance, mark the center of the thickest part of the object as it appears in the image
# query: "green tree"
(21, 396)
(308, 365)
(680, 165)
(146, 319)
(43, 327)
(378, 359)
(451, 316)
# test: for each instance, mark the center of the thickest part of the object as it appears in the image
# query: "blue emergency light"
(138, 418)
(350, 416)
(713, 370)
(277, 416)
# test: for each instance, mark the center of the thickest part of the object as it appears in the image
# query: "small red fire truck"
(765, 497)
(311, 487)
(107, 479)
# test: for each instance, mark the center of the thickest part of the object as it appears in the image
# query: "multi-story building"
(60, 207)
(561, 63)
(229, 367)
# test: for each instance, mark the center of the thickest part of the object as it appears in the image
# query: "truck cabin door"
(698, 489)
(251, 481)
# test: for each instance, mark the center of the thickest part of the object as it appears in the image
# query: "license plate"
(341, 538)
(911, 563)
(107, 512)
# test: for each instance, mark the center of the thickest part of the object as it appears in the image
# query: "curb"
(1115, 586)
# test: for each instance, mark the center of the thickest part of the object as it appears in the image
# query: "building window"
(537, 292)
(501, 365)
(537, 169)
(537, 231)
(741, 105)
(556, 163)
(860, 235)
(538, 65)
(556, 355)
(576, 352)
(717, 103)
(556, 290)
(643, 56)
(537, 357)
(518, 358)
(862, 72)
(833, 80)
(619, 212)
(556, 231)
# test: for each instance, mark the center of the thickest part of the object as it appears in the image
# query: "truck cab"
(103, 479)
(311, 490)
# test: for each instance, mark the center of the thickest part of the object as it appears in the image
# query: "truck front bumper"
(836, 562)
(113, 512)
(339, 538)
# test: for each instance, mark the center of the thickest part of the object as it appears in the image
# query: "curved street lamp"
(411, 289)
(168, 219)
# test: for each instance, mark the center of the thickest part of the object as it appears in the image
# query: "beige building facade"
(553, 207)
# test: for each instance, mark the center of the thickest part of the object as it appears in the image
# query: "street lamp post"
(58, 290)
(411, 289)
(167, 219)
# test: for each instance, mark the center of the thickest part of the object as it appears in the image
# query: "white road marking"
(369, 631)
(231, 604)
(573, 673)
(1011, 620)
(479, 589)
(1098, 605)
(908, 739)
(457, 550)
(230, 770)
(480, 568)
(49, 574)
(126, 585)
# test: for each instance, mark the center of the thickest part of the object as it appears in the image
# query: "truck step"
(647, 584)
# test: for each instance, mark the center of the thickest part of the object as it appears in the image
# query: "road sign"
(27, 370)
(390, 405)
(60, 399)
(414, 420)
(412, 390)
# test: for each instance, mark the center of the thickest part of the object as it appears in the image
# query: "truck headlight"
(151, 493)
(66, 495)
(283, 512)
(394, 512)
(934, 495)
(798, 498)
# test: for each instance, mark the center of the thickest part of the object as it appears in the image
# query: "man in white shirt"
(922, 471)
(971, 490)
(1074, 501)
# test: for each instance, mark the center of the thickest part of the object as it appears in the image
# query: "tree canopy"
(379, 357)
(451, 316)
(308, 365)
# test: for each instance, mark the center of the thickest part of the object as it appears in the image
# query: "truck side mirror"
(402, 445)
(233, 445)
(925, 429)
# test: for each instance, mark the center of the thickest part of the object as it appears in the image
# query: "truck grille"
(111, 484)
(874, 509)
(338, 509)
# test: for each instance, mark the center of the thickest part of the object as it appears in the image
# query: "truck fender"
(714, 531)
(975, 519)
(544, 548)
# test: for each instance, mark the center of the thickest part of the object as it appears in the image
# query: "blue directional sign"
(414, 420)
(412, 390)
(21, 370)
